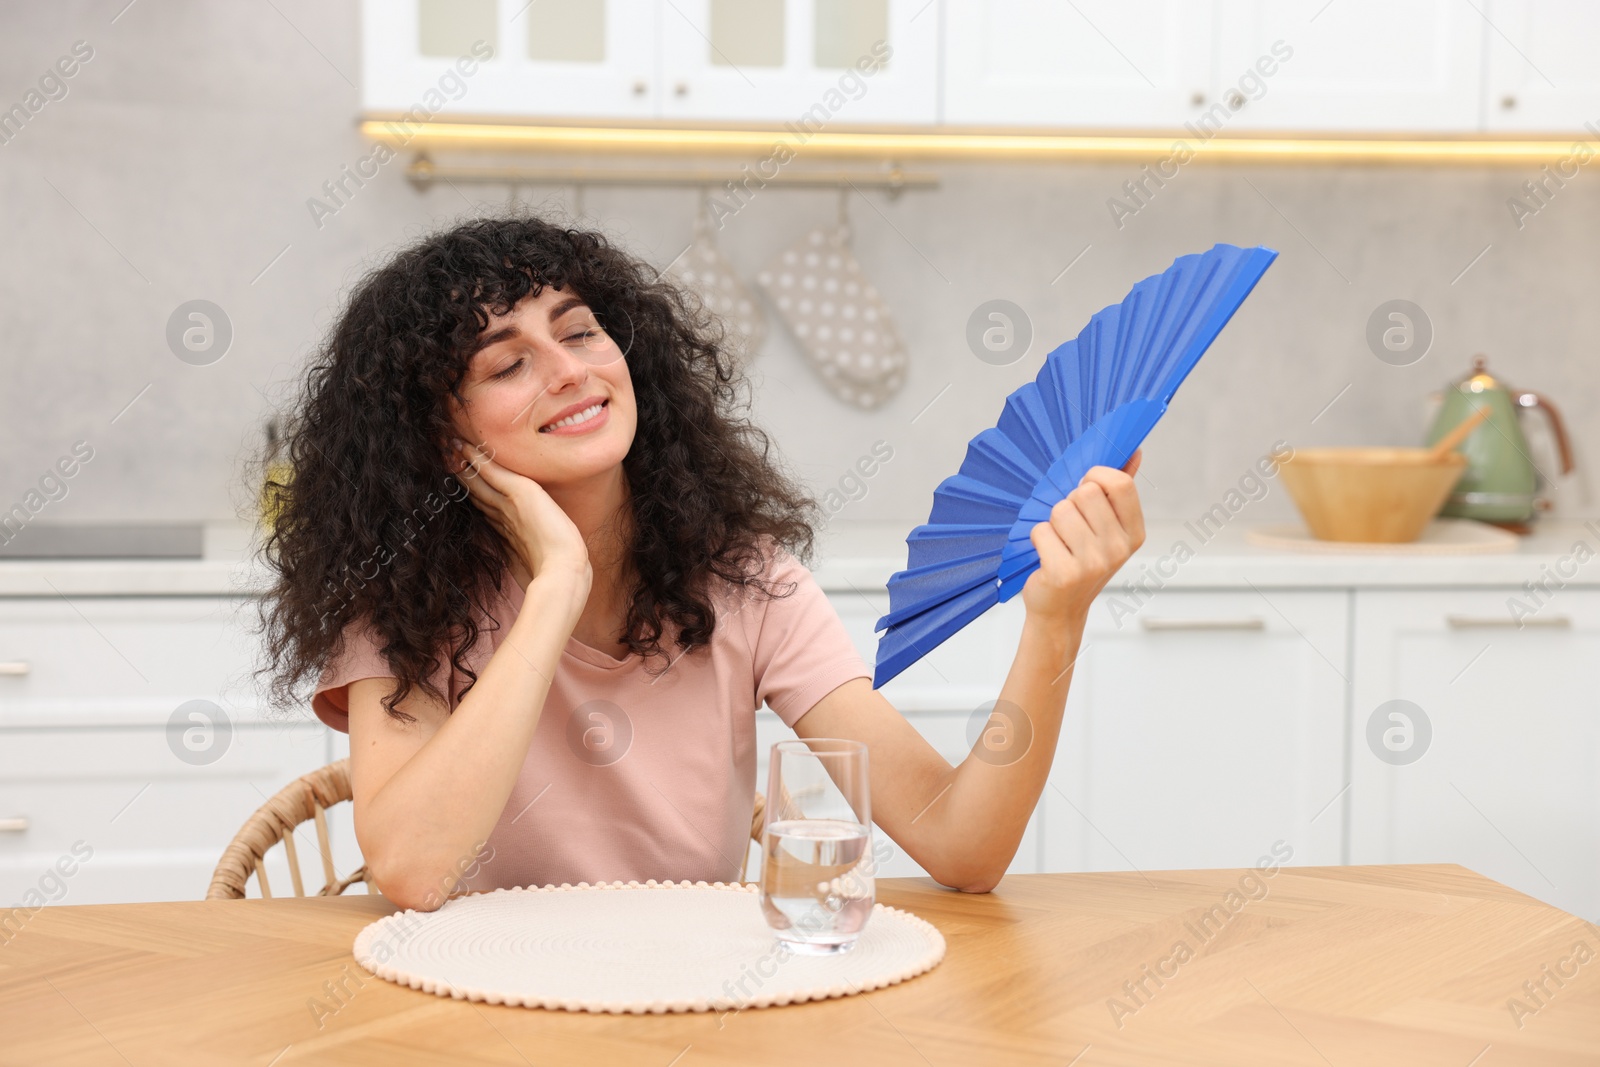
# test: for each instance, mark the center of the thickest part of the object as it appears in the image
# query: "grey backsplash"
(180, 164)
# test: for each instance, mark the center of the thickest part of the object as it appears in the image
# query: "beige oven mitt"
(706, 272)
(836, 316)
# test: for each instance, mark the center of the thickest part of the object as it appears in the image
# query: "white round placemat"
(631, 947)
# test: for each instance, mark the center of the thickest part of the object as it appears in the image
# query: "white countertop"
(862, 556)
(223, 570)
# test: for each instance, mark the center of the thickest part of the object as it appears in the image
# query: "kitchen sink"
(103, 541)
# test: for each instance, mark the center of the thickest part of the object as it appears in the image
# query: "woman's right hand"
(531, 522)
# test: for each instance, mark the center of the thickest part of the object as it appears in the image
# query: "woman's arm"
(428, 793)
(963, 824)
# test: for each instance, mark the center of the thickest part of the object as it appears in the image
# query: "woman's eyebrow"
(504, 333)
(565, 306)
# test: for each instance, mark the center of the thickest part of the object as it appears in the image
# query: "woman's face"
(547, 362)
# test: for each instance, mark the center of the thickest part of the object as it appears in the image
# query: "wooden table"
(1323, 966)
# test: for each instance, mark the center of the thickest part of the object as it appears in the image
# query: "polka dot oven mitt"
(836, 316)
(705, 271)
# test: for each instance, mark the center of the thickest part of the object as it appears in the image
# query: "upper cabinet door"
(1117, 64)
(1542, 72)
(816, 63)
(1351, 65)
(566, 59)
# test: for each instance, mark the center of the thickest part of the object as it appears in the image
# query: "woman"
(543, 575)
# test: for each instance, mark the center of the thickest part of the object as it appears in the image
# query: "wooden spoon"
(1449, 441)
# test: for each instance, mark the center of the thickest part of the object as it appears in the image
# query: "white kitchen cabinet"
(89, 751)
(800, 61)
(1541, 73)
(768, 61)
(1216, 66)
(1357, 65)
(573, 59)
(1095, 63)
(146, 825)
(1508, 783)
(1197, 66)
(121, 659)
(1200, 731)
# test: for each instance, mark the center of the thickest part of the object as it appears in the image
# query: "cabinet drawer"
(142, 811)
(61, 659)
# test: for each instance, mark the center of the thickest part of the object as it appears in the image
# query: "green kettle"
(1501, 482)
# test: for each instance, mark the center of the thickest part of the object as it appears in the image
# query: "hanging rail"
(423, 173)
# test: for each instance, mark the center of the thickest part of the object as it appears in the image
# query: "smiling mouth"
(577, 419)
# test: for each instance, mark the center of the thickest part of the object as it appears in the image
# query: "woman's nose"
(564, 366)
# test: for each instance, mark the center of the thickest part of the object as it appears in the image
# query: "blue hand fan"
(1093, 403)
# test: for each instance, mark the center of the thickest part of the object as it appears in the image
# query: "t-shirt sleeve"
(802, 650)
(358, 658)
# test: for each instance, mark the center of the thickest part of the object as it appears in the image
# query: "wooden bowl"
(1383, 495)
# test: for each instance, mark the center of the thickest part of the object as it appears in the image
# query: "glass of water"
(817, 887)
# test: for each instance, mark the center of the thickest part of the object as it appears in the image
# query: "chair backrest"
(302, 800)
(756, 820)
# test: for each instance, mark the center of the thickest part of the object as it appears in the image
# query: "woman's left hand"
(1090, 535)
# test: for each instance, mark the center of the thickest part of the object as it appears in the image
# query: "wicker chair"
(306, 798)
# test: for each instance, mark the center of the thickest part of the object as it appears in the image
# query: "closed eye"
(508, 371)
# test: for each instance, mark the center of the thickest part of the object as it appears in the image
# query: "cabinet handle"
(1203, 624)
(1483, 622)
(15, 825)
(640, 87)
(14, 668)
(682, 88)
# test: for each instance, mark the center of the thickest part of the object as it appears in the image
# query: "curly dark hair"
(372, 526)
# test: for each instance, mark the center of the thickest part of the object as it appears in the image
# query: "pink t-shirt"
(634, 776)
